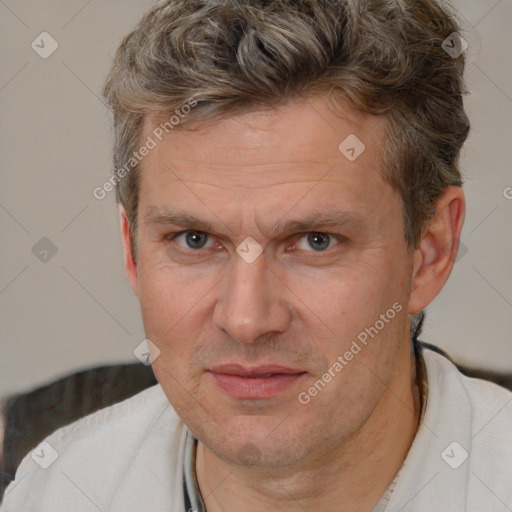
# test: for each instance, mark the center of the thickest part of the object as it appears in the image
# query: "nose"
(252, 302)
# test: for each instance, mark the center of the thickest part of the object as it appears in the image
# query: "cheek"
(344, 302)
(360, 348)
(168, 292)
(171, 308)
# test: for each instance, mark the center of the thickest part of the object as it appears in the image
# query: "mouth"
(257, 382)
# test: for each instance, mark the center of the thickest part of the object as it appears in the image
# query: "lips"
(255, 371)
(256, 382)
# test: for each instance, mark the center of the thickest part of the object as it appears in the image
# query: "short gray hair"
(384, 56)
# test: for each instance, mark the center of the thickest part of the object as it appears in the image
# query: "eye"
(316, 241)
(193, 240)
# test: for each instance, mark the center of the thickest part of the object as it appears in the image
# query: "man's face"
(242, 339)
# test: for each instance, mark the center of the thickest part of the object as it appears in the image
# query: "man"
(287, 174)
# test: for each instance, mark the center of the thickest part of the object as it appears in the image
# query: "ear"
(130, 265)
(435, 256)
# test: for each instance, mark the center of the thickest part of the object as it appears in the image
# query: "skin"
(294, 305)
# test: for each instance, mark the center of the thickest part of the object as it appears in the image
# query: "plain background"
(76, 309)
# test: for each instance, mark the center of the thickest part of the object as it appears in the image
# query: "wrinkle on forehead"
(291, 133)
(253, 176)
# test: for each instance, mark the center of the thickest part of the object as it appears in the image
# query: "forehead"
(294, 132)
(301, 155)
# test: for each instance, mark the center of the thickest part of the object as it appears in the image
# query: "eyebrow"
(185, 220)
(317, 221)
(314, 222)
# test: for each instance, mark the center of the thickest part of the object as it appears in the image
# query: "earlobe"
(130, 265)
(435, 256)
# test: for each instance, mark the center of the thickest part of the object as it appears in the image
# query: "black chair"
(31, 417)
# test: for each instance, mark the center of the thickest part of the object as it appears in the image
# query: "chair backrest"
(31, 417)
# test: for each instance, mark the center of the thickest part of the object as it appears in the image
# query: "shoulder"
(481, 396)
(92, 459)
(461, 457)
(134, 412)
(479, 413)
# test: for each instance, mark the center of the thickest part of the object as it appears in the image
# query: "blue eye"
(193, 239)
(317, 241)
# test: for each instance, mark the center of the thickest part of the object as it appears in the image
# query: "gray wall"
(76, 309)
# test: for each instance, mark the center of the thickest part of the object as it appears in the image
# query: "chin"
(252, 454)
(252, 442)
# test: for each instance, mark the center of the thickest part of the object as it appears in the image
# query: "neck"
(354, 477)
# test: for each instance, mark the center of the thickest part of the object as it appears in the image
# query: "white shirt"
(129, 457)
